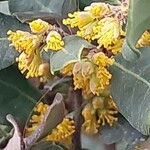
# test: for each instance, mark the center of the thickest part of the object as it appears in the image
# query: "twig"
(78, 120)
(109, 147)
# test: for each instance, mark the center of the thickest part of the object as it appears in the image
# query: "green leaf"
(7, 53)
(61, 8)
(17, 96)
(131, 90)
(137, 22)
(128, 53)
(71, 52)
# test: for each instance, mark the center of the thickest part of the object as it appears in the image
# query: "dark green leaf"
(7, 53)
(71, 52)
(52, 118)
(52, 6)
(17, 96)
(131, 90)
(137, 22)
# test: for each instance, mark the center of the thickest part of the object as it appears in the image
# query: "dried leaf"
(53, 117)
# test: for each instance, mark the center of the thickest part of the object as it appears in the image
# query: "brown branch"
(109, 147)
(78, 120)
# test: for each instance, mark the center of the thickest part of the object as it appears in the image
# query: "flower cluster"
(62, 131)
(98, 112)
(90, 75)
(101, 25)
(31, 45)
(37, 118)
(98, 23)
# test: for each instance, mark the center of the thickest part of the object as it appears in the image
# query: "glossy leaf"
(137, 22)
(7, 53)
(17, 96)
(71, 52)
(131, 90)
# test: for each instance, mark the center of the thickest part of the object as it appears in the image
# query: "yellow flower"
(102, 60)
(100, 80)
(107, 113)
(87, 69)
(107, 30)
(98, 102)
(98, 112)
(54, 41)
(81, 81)
(24, 41)
(23, 62)
(98, 10)
(144, 40)
(44, 72)
(36, 119)
(116, 46)
(64, 130)
(33, 68)
(87, 31)
(29, 64)
(78, 19)
(39, 26)
(67, 70)
(90, 124)
(15, 36)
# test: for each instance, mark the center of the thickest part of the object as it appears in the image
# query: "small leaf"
(131, 90)
(17, 96)
(71, 52)
(137, 22)
(52, 118)
(7, 53)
